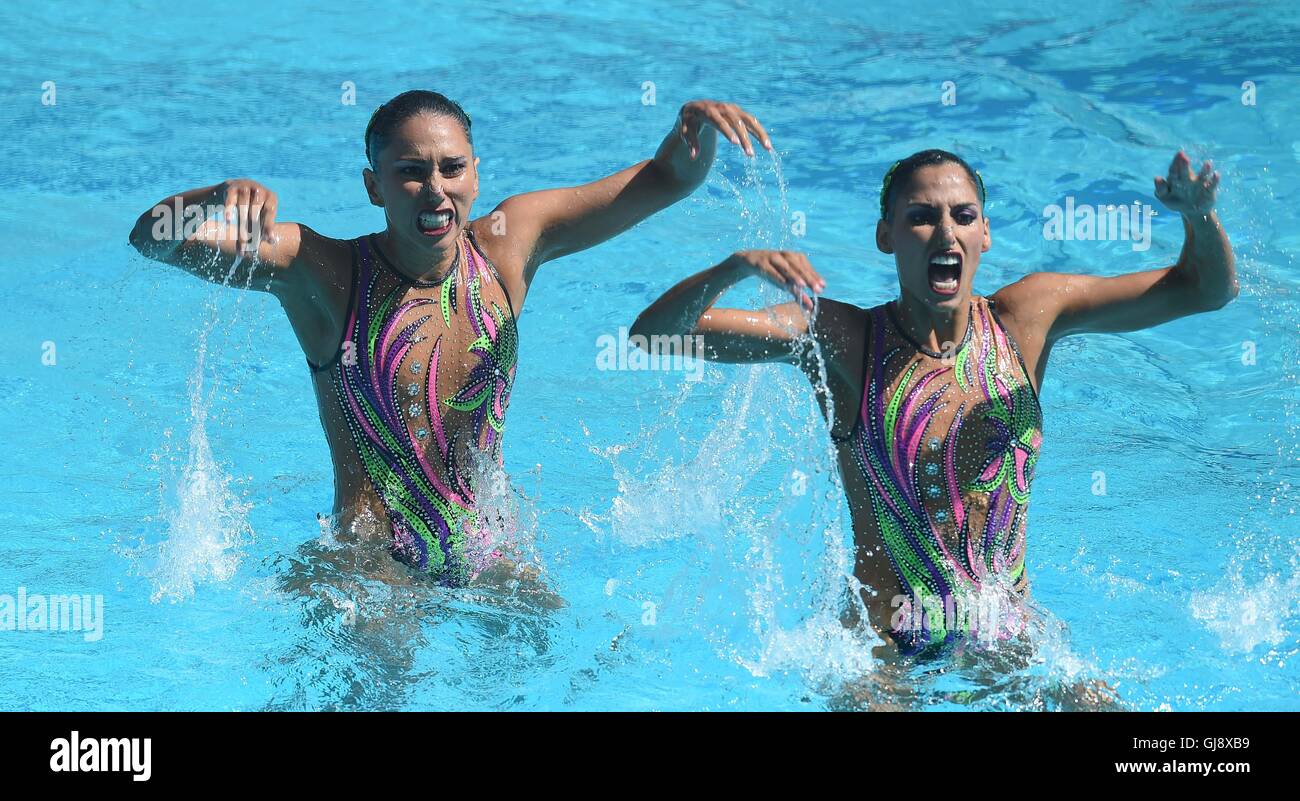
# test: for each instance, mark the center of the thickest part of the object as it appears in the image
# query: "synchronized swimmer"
(932, 398)
(410, 333)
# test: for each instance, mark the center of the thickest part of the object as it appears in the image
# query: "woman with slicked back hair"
(409, 333)
(932, 397)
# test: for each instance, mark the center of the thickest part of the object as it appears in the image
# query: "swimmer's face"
(936, 231)
(426, 179)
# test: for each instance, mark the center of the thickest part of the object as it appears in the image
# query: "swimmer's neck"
(929, 326)
(427, 264)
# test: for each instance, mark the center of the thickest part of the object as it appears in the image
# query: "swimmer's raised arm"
(738, 335)
(225, 233)
(546, 225)
(1204, 279)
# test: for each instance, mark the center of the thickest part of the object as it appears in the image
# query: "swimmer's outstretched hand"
(1185, 193)
(731, 120)
(252, 207)
(785, 268)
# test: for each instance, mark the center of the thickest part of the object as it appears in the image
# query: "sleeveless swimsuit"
(420, 417)
(947, 447)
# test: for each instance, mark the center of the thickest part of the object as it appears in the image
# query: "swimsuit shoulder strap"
(347, 315)
(1004, 334)
(496, 274)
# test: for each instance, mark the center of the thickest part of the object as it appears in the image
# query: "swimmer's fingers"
(1187, 192)
(754, 125)
(693, 117)
(741, 123)
(230, 202)
(808, 281)
(735, 118)
(790, 271)
(238, 198)
(1180, 169)
(1167, 191)
(236, 214)
(262, 210)
(786, 268)
(268, 218)
(1205, 185)
(246, 220)
(811, 277)
(730, 120)
(717, 120)
(689, 134)
(256, 202)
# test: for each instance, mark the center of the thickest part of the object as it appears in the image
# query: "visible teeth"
(945, 258)
(434, 219)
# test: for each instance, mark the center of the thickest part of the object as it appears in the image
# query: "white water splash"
(1245, 616)
(755, 496)
(207, 525)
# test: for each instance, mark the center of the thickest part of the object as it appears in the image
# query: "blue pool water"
(170, 458)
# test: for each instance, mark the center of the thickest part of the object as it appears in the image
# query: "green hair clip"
(884, 187)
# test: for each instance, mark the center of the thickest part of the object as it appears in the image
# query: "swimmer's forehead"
(940, 185)
(426, 137)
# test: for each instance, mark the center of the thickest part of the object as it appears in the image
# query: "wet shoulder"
(322, 258)
(1017, 306)
(841, 326)
(841, 331)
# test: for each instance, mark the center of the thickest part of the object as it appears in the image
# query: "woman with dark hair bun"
(410, 332)
(932, 397)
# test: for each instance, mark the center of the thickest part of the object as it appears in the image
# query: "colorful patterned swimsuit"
(947, 448)
(423, 379)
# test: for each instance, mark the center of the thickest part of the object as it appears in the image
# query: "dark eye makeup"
(929, 215)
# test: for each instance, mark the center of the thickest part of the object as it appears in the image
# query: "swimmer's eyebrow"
(965, 204)
(453, 160)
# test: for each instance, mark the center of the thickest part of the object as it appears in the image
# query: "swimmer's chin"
(948, 303)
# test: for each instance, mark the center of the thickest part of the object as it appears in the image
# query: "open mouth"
(945, 273)
(434, 223)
